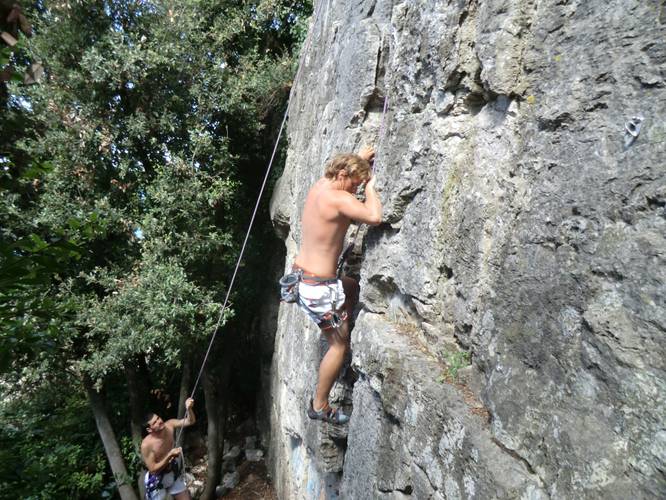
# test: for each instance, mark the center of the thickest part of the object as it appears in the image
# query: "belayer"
(326, 297)
(162, 460)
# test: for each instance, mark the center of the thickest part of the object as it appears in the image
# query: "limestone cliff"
(510, 336)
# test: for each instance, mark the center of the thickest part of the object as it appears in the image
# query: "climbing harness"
(156, 481)
(289, 293)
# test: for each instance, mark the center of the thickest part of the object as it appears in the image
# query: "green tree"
(150, 132)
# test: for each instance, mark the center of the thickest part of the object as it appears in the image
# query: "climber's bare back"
(323, 230)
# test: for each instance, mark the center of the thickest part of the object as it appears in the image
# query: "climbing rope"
(381, 135)
(306, 48)
(348, 248)
(380, 143)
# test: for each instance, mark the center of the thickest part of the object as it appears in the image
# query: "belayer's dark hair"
(147, 418)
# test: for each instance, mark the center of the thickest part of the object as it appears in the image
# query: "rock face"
(510, 341)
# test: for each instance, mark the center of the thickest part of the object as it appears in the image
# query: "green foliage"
(127, 181)
(33, 259)
(48, 447)
(8, 56)
(454, 362)
(132, 456)
(186, 210)
(29, 267)
(5, 54)
(152, 312)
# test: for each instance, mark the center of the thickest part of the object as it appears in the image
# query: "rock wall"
(510, 335)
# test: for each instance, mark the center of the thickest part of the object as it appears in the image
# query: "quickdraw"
(332, 320)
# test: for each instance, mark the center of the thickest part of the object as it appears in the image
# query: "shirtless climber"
(162, 459)
(329, 208)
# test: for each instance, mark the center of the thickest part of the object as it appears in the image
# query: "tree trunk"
(222, 422)
(223, 403)
(212, 436)
(136, 402)
(110, 443)
(185, 382)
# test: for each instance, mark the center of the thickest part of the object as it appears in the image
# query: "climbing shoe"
(328, 414)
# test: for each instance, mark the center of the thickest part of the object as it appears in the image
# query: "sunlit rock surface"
(524, 224)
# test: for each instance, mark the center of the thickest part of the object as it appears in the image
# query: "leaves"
(127, 177)
(153, 312)
(5, 54)
(47, 446)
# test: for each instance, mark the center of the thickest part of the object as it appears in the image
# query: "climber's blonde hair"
(355, 166)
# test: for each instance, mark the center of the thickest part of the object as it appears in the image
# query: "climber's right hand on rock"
(367, 153)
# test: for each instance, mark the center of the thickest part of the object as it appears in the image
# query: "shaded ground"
(253, 484)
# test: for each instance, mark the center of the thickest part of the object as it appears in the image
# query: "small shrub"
(454, 362)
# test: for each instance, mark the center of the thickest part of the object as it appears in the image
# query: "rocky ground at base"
(254, 483)
(245, 475)
(250, 482)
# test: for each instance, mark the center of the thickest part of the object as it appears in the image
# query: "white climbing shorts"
(321, 300)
